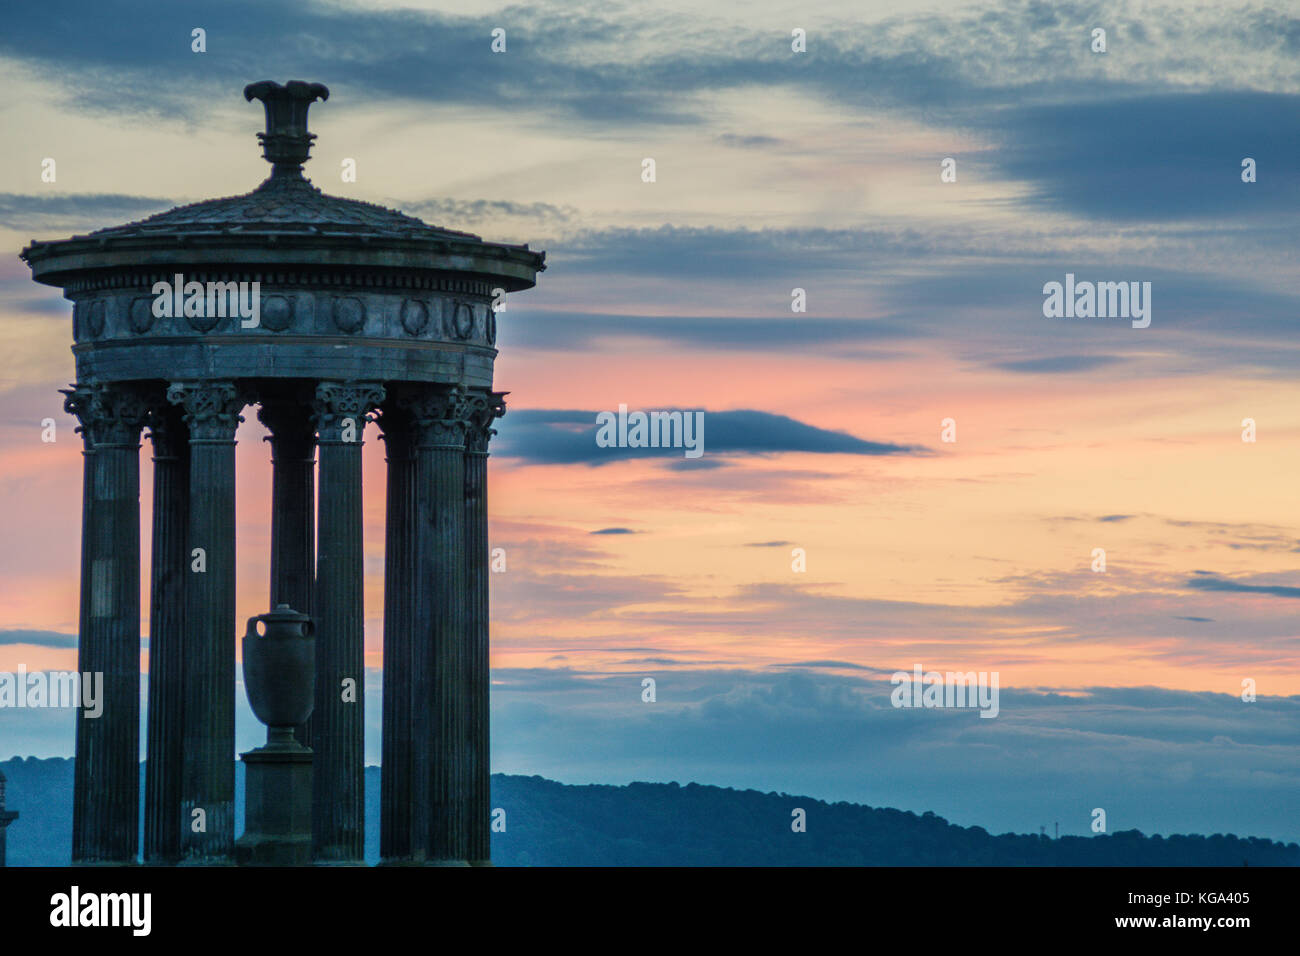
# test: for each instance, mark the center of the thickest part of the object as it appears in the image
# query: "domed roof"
(284, 205)
(285, 220)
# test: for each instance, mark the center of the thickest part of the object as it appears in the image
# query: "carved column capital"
(166, 427)
(336, 404)
(439, 415)
(483, 409)
(289, 417)
(211, 408)
(109, 414)
(396, 427)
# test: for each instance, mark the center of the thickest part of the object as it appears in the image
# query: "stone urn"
(280, 679)
(280, 672)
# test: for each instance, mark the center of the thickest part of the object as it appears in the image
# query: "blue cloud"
(561, 436)
(1221, 584)
(1157, 760)
(24, 212)
(529, 328)
(38, 638)
(1059, 363)
(1156, 158)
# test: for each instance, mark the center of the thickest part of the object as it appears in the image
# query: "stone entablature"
(293, 309)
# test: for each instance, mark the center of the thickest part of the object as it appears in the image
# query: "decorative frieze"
(357, 312)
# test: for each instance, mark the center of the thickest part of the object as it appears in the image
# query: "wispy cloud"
(69, 211)
(563, 436)
(1212, 583)
(39, 638)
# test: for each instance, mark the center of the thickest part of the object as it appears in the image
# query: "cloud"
(1156, 158)
(1221, 584)
(923, 291)
(109, 57)
(614, 531)
(475, 210)
(562, 331)
(1157, 760)
(561, 436)
(833, 665)
(603, 64)
(1059, 363)
(39, 638)
(29, 213)
(742, 253)
(697, 464)
(748, 142)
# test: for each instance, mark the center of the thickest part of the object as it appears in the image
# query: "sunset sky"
(776, 170)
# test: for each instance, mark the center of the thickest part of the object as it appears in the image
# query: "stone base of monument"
(277, 800)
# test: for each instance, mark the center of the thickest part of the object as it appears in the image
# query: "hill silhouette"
(653, 824)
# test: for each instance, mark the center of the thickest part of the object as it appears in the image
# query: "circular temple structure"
(328, 314)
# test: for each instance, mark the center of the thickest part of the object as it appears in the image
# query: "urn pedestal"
(279, 677)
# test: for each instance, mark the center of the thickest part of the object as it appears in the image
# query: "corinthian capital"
(109, 414)
(166, 427)
(288, 415)
(438, 414)
(483, 409)
(341, 409)
(211, 408)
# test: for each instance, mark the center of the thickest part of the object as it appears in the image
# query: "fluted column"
(106, 788)
(399, 572)
(484, 409)
(170, 560)
(338, 722)
(77, 401)
(211, 410)
(438, 802)
(293, 497)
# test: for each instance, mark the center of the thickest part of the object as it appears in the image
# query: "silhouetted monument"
(6, 817)
(361, 314)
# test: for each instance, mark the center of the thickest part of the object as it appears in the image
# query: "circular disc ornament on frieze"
(349, 314)
(462, 319)
(415, 316)
(277, 312)
(140, 314)
(206, 320)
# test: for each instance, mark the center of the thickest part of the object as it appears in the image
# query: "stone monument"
(328, 314)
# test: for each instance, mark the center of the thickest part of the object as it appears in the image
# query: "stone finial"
(286, 144)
